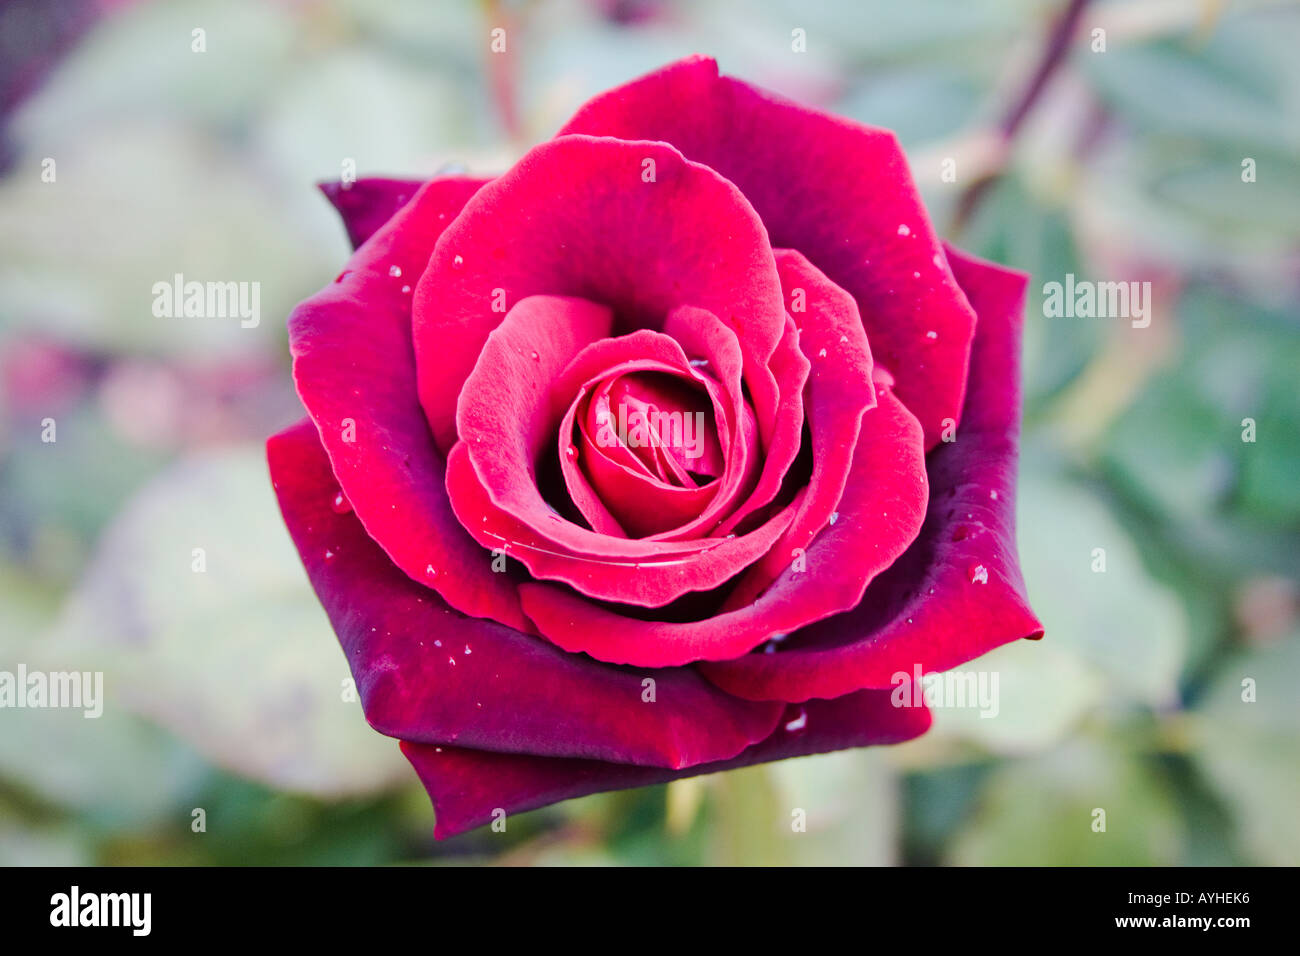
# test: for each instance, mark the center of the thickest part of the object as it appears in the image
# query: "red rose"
(642, 460)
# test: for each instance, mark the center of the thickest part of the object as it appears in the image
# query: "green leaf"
(1250, 749)
(1041, 812)
(238, 659)
(1129, 629)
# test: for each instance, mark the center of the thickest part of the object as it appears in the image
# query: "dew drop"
(979, 574)
(835, 516)
(821, 354)
(395, 271)
(993, 495)
(329, 555)
(431, 571)
(844, 340)
(536, 357)
(904, 230)
(932, 335)
(799, 723)
(571, 452)
(457, 262)
(406, 290)
(340, 504)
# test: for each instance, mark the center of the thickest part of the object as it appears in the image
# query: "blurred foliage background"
(226, 689)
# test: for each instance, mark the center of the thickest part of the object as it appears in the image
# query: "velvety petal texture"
(427, 673)
(958, 592)
(468, 786)
(366, 204)
(672, 449)
(837, 191)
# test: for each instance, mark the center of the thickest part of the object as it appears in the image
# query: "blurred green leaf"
(1041, 812)
(239, 660)
(1043, 689)
(1250, 749)
(1120, 621)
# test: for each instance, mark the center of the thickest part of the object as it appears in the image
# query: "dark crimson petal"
(839, 392)
(468, 786)
(427, 673)
(367, 204)
(355, 373)
(958, 592)
(880, 515)
(574, 217)
(835, 190)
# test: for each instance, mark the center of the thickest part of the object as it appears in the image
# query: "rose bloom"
(675, 448)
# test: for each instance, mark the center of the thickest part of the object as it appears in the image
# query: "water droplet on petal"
(904, 230)
(932, 335)
(457, 262)
(329, 555)
(979, 574)
(536, 357)
(431, 571)
(395, 271)
(835, 516)
(799, 722)
(821, 354)
(340, 504)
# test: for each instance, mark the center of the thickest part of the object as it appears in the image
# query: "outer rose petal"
(466, 786)
(575, 217)
(367, 204)
(355, 373)
(881, 513)
(835, 190)
(427, 673)
(958, 592)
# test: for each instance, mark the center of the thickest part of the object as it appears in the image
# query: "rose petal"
(667, 571)
(468, 787)
(837, 191)
(355, 373)
(881, 512)
(426, 673)
(366, 204)
(958, 592)
(839, 392)
(576, 217)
